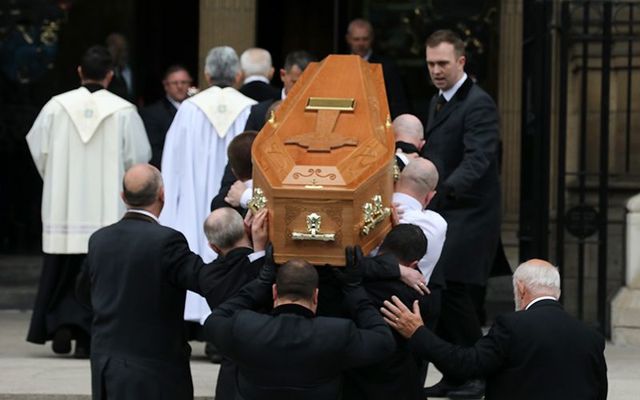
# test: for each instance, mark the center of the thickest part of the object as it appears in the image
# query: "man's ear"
(207, 77)
(315, 296)
(521, 289)
(270, 74)
(107, 79)
(238, 79)
(421, 145)
(215, 248)
(429, 197)
(283, 72)
(79, 70)
(121, 193)
(274, 292)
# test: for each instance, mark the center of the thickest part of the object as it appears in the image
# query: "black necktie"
(440, 103)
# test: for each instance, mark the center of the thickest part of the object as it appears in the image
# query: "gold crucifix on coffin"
(324, 139)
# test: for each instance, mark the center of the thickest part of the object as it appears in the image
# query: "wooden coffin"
(323, 163)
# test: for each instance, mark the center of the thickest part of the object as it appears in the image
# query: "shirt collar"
(368, 55)
(176, 104)
(143, 212)
(283, 94)
(254, 78)
(292, 308)
(406, 201)
(448, 94)
(537, 299)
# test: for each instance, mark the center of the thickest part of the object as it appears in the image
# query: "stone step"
(19, 270)
(18, 297)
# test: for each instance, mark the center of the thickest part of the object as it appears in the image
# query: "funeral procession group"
(318, 239)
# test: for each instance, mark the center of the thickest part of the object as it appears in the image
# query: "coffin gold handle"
(258, 201)
(373, 213)
(313, 230)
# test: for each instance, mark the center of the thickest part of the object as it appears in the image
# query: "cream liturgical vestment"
(193, 162)
(82, 143)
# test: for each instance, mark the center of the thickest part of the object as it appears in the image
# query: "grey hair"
(420, 174)
(539, 277)
(222, 65)
(256, 61)
(224, 228)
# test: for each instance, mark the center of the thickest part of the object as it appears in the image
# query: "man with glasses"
(158, 116)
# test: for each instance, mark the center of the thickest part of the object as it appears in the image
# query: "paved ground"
(33, 372)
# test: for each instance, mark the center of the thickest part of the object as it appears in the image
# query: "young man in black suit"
(292, 353)
(537, 352)
(157, 117)
(135, 278)
(462, 141)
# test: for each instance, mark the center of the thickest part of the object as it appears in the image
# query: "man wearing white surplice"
(195, 155)
(82, 142)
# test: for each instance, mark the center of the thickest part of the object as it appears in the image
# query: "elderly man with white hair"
(195, 154)
(258, 70)
(537, 352)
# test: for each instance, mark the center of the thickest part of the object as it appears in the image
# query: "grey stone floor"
(33, 372)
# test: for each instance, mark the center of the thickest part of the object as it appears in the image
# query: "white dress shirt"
(448, 94)
(537, 299)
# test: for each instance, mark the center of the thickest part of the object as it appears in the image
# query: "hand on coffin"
(414, 279)
(400, 318)
(396, 214)
(351, 275)
(235, 193)
(267, 275)
(248, 219)
(260, 230)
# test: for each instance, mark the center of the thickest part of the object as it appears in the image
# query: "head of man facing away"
(407, 243)
(296, 283)
(256, 62)
(225, 231)
(222, 67)
(408, 130)
(419, 180)
(533, 279)
(142, 189)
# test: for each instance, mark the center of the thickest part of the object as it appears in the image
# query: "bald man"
(537, 352)
(258, 70)
(135, 278)
(409, 135)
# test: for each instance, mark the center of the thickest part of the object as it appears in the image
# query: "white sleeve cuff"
(256, 255)
(246, 196)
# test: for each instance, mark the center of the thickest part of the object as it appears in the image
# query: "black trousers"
(56, 304)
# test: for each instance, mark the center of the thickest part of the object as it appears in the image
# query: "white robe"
(82, 143)
(193, 162)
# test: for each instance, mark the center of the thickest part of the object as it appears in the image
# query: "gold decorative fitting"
(258, 201)
(373, 213)
(314, 221)
(388, 122)
(272, 117)
(330, 103)
(396, 170)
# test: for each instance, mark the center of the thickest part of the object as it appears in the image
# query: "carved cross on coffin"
(324, 139)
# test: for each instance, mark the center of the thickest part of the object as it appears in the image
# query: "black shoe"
(61, 342)
(440, 389)
(83, 347)
(212, 353)
(472, 389)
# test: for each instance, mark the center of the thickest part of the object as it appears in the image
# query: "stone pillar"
(510, 109)
(625, 308)
(225, 22)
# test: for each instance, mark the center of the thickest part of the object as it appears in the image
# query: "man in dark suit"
(240, 258)
(537, 352)
(258, 70)
(462, 141)
(158, 116)
(360, 37)
(292, 353)
(135, 277)
(294, 64)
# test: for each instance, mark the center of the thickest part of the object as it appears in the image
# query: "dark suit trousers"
(458, 322)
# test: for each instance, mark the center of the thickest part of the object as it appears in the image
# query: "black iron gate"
(581, 64)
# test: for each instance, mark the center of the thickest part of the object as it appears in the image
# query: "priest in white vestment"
(82, 142)
(195, 155)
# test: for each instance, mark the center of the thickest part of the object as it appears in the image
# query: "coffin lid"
(332, 131)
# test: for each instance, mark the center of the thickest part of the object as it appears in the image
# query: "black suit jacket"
(291, 354)
(260, 91)
(258, 115)
(540, 353)
(137, 272)
(462, 142)
(396, 96)
(157, 119)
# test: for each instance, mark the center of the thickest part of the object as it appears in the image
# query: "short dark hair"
(96, 63)
(239, 154)
(174, 68)
(146, 195)
(296, 280)
(300, 58)
(405, 241)
(446, 36)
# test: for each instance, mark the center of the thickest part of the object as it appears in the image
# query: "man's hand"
(260, 230)
(400, 318)
(414, 279)
(267, 274)
(350, 276)
(396, 213)
(235, 193)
